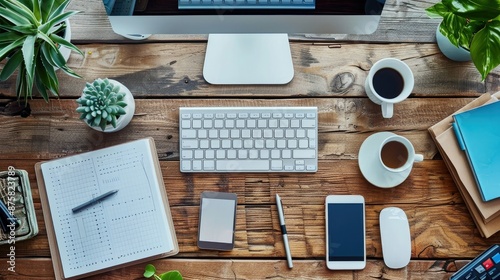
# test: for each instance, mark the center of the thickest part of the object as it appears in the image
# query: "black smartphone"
(217, 221)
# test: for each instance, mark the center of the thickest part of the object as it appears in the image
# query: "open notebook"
(133, 225)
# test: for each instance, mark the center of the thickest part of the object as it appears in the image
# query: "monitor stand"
(248, 59)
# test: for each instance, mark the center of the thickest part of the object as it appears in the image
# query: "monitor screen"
(248, 39)
(244, 16)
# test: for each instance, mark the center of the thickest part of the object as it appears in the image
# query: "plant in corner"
(104, 104)
(150, 271)
(30, 40)
(474, 26)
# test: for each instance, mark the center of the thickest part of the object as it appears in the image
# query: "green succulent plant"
(101, 103)
(30, 42)
(473, 25)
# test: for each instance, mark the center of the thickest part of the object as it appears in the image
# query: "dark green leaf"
(171, 275)
(65, 43)
(8, 37)
(12, 46)
(53, 55)
(474, 9)
(19, 12)
(437, 11)
(58, 8)
(12, 64)
(48, 7)
(41, 88)
(49, 70)
(451, 27)
(485, 48)
(47, 76)
(23, 29)
(29, 55)
(53, 25)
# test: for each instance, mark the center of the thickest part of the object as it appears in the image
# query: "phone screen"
(345, 232)
(217, 220)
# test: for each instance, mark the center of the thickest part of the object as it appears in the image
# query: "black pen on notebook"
(283, 231)
(93, 200)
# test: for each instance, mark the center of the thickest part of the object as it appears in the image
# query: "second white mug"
(397, 154)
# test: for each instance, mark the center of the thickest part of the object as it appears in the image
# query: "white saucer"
(371, 168)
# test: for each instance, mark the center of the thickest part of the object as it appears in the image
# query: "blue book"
(478, 134)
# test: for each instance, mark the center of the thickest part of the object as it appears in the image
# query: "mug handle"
(387, 110)
(418, 157)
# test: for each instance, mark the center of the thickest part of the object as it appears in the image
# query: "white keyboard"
(248, 139)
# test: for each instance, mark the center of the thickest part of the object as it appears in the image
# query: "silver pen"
(283, 231)
(93, 201)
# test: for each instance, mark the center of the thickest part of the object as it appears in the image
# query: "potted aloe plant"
(31, 41)
(106, 105)
(473, 26)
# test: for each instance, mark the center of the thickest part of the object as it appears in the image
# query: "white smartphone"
(345, 232)
(217, 221)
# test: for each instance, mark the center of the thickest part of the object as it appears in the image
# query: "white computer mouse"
(395, 236)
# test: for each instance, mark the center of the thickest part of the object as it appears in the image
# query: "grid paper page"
(126, 226)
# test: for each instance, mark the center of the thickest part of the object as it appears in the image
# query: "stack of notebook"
(484, 207)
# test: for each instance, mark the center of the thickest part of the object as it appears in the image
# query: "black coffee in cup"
(388, 83)
(394, 154)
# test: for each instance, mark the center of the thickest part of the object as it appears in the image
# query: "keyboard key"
(235, 165)
(304, 154)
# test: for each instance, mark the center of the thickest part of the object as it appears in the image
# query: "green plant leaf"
(11, 65)
(49, 25)
(51, 73)
(26, 29)
(48, 7)
(171, 275)
(58, 8)
(28, 3)
(53, 55)
(14, 13)
(8, 37)
(41, 88)
(65, 43)
(474, 9)
(437, 11)
(47, 77)
(451, 27)
(12, 46)
(29, 55)
(19, 8)
(485, 48)
(149, 271)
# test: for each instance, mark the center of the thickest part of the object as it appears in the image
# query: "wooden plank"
(175, 70)
(441, 226)
(54, 129)
(41, 269)
(401, 21)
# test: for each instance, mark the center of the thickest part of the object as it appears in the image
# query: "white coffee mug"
(389, 81)
(397, 154)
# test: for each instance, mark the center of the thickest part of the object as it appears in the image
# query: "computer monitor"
(246, 45)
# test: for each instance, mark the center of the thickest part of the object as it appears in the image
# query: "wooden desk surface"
(164, 73)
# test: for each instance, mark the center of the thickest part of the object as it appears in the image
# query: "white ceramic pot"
(450, 50)
(123, 120)
(67, 36)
